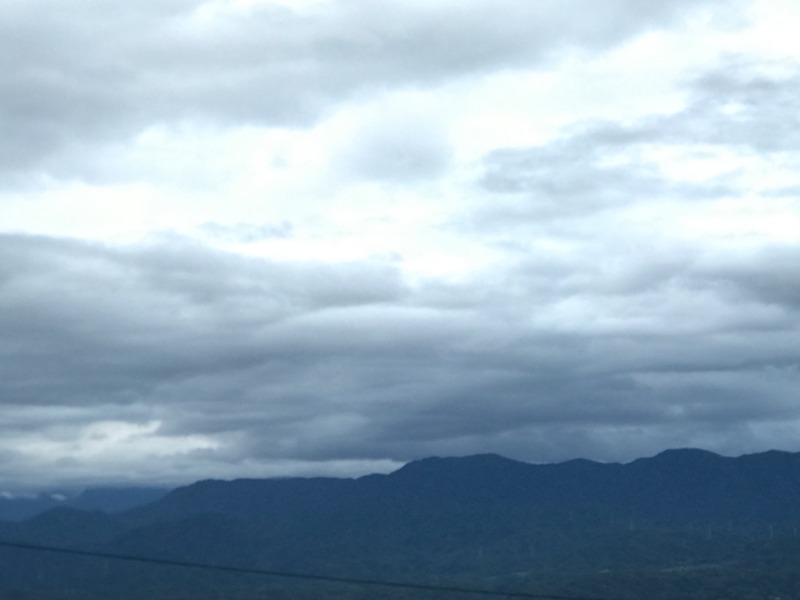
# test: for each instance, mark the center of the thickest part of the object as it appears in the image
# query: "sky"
(327, 237)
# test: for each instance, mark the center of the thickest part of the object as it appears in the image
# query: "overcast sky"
(300, 237)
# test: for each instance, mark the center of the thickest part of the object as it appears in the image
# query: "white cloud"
(110, 444)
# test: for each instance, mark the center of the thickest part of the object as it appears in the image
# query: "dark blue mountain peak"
(698, 457)
(476, 463)
(773, 455)
(683, 456)
(114, 499)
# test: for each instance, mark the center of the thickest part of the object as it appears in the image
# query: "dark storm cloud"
(768, 276)
(94, 319)
(321, 363)
(79, 74)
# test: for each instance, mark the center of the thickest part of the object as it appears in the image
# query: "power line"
(288, 574)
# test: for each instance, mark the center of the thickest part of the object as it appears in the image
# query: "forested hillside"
(683, 524)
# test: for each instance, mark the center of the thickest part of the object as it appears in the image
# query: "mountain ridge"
(697, 484)
(107, 499)
(479, 516)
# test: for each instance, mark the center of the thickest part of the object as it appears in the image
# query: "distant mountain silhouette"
(116, 499)
(106, 499)
(475, 516)
(673, 488)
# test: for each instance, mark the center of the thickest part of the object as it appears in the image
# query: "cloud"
(741, 103)
(621, 287)
(245, 363)
(86, 75)
(121, 322)
(764, 276)
(396, 148)
(245, 233)
(734, 138)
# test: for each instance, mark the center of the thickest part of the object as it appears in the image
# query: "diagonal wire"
(289, 574)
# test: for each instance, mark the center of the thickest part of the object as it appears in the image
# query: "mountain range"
(644, 527)
(106, 499)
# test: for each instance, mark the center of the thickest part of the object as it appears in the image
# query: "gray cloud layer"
(327, 363)
(78, 75)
